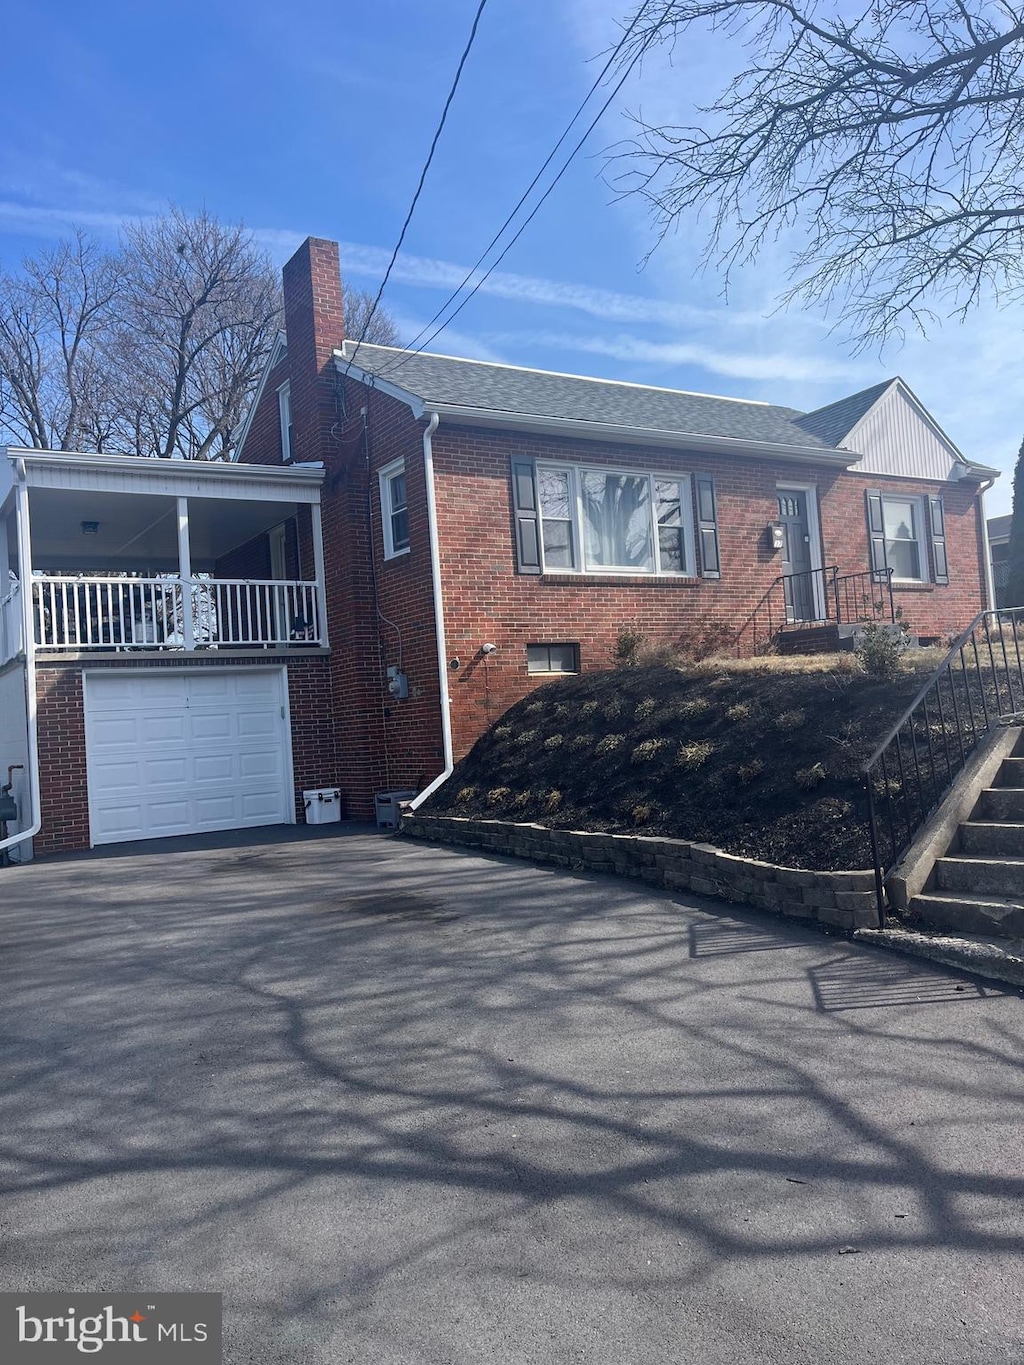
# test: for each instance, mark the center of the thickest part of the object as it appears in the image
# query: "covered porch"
(126, 554)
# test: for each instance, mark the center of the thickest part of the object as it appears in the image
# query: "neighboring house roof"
(999, 528)
(835, 421)
(447, 381)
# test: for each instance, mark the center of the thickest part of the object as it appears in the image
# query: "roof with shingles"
(834, 422)
(513, 391)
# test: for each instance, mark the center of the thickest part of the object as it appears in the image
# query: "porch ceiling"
(140, 531)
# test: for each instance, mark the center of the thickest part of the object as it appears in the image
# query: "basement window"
(562, 658)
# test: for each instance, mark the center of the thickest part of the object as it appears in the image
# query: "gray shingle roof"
(444, 380)
(834, 422)
(999, 527)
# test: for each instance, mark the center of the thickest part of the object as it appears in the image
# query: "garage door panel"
(212, 726)
(185, 754)
(263, 763)
(253, 724)
(111, 730)
(215, 768)
(166, 771)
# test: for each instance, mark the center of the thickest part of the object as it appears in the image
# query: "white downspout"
(441, 644)
(986, 549)
(29, 637)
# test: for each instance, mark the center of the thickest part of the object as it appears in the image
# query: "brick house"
(438, 536)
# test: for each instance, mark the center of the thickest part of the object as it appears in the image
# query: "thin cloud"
(757, 368)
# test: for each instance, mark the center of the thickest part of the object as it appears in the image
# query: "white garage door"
(183, 753)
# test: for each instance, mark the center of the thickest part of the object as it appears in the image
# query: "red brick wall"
(487, 601)
(61, 718)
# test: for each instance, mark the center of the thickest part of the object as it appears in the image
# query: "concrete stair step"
(1002, 803)
(1011, 774)
(998, 876)
(970, 914)
(993, 838)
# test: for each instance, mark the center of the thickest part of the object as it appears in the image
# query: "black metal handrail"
(979, 684)
(828, 596)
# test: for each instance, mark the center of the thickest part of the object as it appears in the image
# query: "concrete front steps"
(977, 887)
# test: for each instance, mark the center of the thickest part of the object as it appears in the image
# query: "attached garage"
(186, 752)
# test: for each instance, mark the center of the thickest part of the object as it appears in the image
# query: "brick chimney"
(315, 325)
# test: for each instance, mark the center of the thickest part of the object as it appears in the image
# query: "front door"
(796, 556)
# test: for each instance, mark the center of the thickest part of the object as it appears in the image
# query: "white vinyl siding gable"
(613, 521)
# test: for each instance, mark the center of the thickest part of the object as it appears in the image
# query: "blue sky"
(319, 125)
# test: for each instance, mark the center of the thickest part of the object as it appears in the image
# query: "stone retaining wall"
(844, 900)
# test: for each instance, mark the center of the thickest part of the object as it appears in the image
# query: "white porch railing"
(12, 640)
(172, 614)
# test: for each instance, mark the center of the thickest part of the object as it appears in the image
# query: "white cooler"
(323, 806)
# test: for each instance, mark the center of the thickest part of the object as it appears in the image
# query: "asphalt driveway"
(405, 1104)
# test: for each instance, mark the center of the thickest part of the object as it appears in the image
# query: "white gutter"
(29, 637)
(646, 436)
(439, 635)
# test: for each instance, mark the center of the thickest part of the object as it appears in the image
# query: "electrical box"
(323, 806)
(398, 683)
(776, 535)
(387, 807)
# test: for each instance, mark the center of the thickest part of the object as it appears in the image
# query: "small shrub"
(691, 756)
(502, 731)
(525, 737)
(643, 813)
(880, 650)
(554, 741)
(465, 795)
(809, 778)
(648, 749)
(609, 744)
(522, 800)
(749, 772)
(588, 709)
(694, 707)
(497, 796)
(645, 708)
(628, 646)
(704, 641)
(787, 721)
(613, 708)
(532, 707)
(553, 801)
(579, 742)
(741, 711)
(561, 711)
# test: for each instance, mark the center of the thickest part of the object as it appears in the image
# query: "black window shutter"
(937, 525)
(524, 501)
(876, 535)
(707, 528)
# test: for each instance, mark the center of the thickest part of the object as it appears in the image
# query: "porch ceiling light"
(90, 528)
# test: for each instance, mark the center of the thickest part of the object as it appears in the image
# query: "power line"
(423, 173)
(412, 349)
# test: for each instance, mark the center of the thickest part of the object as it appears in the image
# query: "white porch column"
(318, 571)
(185, 575)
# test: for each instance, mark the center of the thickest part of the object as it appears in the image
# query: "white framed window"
(904, 527)
(560, 658)
(614, 521)
(284, 408)
(394, 509)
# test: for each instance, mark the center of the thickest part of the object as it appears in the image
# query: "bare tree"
(894, 139)
(54, 320)
(196, 315)
(382, 330)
